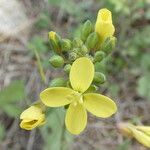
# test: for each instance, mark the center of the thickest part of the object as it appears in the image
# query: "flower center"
(77, 98)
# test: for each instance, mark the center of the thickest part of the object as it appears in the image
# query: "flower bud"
(67, 68)
(93, 41)
(72, 56)
(99, 78)
(104, 26)
(86, 30)
(56, 61)
(140, 133)
(99, 56)
(123, 128)
(77, 42)
(108, 45)
(83, 50)
(32, 117)
(92, 88)
(65, 45)
(58, 82)
(55, 41)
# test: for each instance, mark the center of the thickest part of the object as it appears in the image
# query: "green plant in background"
(10, 96)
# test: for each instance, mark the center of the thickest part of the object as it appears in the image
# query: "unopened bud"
(65, 45)
(86, 30)
(56, 61)
(67, 68)
(108, 45)
(99, 56)
(55, 41)
(99, 78)
(58, 82)
(92, 88)
(72, 56)
(83, 50)
(77, 42)
(124, 129)
(93, 41)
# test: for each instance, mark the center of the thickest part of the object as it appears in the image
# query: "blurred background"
(24, 25)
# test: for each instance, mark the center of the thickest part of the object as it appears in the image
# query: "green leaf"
(143, 87)
(54, 132)
(12, 93)
(12, 110)
(37, 43)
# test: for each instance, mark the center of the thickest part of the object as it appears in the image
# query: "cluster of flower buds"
(95, 42)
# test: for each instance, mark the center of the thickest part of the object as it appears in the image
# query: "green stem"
(41, 70)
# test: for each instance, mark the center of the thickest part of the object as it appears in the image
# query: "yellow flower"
(81, 76)
(104, 26)
(140, 133)
(52, 35)
(32, 117)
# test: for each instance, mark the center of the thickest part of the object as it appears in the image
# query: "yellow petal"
(31, 124)
(57, 96)
(141, 137)
(99, 105)
(104, 26)
(76, 118)
(31, 113)
(81, 74)
(145, 129)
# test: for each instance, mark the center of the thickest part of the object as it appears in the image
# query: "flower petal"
(145, 129)
(141, 137)
(81, 74)
(57, 96)
(99, 105)
(31, 124)
(104, 26)
(76, 118)
(31, 113)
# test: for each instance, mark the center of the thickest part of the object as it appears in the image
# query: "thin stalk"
(41, 70)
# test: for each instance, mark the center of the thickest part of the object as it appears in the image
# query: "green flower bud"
(55, 41)
(108, 45)
(67, 68)
(77, 42)
(65, 45)
(86, 30)
(58, 82)
(73, 56)
(56, 61)
(99, 78)
(93, 41)
(83, 50)
(91, 89)
(99, 56)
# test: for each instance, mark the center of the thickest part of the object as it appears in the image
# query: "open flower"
(140, 133)
(81, 76)
(104, 26)
(32, 117)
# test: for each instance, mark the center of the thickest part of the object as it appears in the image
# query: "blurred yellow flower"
(32, 117)
(81, 77)
(104, 26)
(52, 35)
(140, 133)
